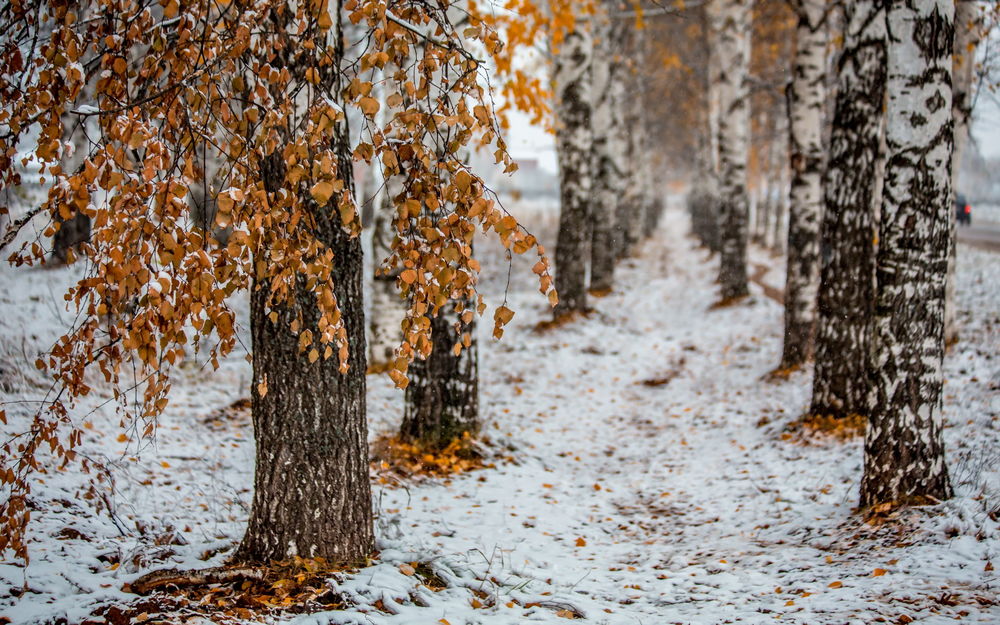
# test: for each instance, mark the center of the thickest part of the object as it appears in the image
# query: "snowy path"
(689, 511)
(651, 482)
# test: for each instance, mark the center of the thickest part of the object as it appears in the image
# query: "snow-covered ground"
(652, 481)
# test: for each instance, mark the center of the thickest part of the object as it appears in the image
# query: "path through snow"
(651, 483)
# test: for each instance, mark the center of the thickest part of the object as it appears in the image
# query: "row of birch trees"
(869, 294)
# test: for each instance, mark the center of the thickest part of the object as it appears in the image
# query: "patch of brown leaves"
(393, 459)
(727, 302)
(817, 428)
(560, 321)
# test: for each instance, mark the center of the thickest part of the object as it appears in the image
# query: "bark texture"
(806, 100)
(442, 398)
(311, 492)
(731, 24)
(847, 282)
(904, 452)
(574, 145)
(387, 307)
(607, 125)
(703, 200)
(312, 496)
(967, 33)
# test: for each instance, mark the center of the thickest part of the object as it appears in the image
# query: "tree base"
(728, 302)
(810, 427)
(561, 320)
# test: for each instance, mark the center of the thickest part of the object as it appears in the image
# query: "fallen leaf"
(836, 584)
(580, 542)
(406, 569)
(879, 572)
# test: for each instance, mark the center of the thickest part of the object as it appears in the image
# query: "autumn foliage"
(246, 98)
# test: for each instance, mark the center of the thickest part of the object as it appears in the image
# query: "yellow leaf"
(503, 315)
(463, 179)
(313, 355)
(369, 106)
(325, 21)
(165, 464)
(122, 438)
(262, 388)
(836, 584)
(409, 276)
(321, 192)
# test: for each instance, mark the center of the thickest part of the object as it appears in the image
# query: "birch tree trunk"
(732, 27)
(806, 99)
(847, 276)
(387, 307)
(606, 124)
(574, 145)
(904, 452)
(705, 197)
(312, 496)
(964, 61)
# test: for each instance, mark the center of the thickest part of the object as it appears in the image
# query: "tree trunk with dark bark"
(904, 451)
(847, 275)
(806, 99)
(574, 145)
(442, 398)
(312, 496)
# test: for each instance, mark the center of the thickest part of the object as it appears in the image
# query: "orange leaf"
(879, 572)
(580, 542)
(409, 276)
(836, 584)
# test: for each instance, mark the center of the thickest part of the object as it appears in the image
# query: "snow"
(693, 503)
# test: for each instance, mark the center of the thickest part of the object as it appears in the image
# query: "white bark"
(967, 34)
(607, 125)
(731, 25)
(388, 308)
(806, 101)
(904, 452)
(574, 144)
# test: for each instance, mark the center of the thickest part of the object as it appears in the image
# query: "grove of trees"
(193, 151)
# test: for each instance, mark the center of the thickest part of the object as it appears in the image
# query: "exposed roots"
(231, 594)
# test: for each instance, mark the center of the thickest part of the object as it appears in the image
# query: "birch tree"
(388, 308)
(967, 35)
(904, 452)
(847, 287)
(731, 28)
(574, 149)
(806, 101)
(606, 176)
